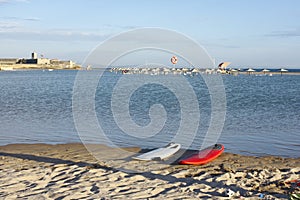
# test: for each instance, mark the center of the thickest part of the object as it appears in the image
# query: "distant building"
(8, 61)
(36, 62)
(34, 55)
(67, 64)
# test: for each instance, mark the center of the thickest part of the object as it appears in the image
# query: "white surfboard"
(160, 153)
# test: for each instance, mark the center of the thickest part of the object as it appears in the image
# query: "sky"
(247, 33)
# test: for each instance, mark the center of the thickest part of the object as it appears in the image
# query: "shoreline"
(138, 149)
(20, 67)
(28, 67)
(68, 171)
(267, 73)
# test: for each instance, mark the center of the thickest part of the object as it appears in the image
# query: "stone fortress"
(35, 62)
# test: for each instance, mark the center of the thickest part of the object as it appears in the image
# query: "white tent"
(265, 70)
(195, 70)
(283, 70)
(250, 70)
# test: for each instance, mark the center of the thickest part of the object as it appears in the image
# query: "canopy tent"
(265, 70)
(250, 70)
(283, 70)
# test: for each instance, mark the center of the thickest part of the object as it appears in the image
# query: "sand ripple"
(69, 172)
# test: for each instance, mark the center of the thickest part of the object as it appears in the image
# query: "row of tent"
(223, 65)
(253, 70)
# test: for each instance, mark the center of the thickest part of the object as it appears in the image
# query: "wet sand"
(69, 171)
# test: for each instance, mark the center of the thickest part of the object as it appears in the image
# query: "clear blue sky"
(248, 33)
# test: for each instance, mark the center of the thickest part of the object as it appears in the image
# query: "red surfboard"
(204, 156)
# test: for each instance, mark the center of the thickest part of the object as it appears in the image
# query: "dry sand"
(68, 171)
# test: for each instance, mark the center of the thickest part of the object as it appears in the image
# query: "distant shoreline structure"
(9, 64)
(35, 63)
(195, 71)
(153, 69)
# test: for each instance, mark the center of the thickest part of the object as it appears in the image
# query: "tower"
(34, 55)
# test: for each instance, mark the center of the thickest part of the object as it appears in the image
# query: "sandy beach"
(69, 171)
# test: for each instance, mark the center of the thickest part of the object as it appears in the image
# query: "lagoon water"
(262, 112)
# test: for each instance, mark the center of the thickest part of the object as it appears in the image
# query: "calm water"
(262, 113)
